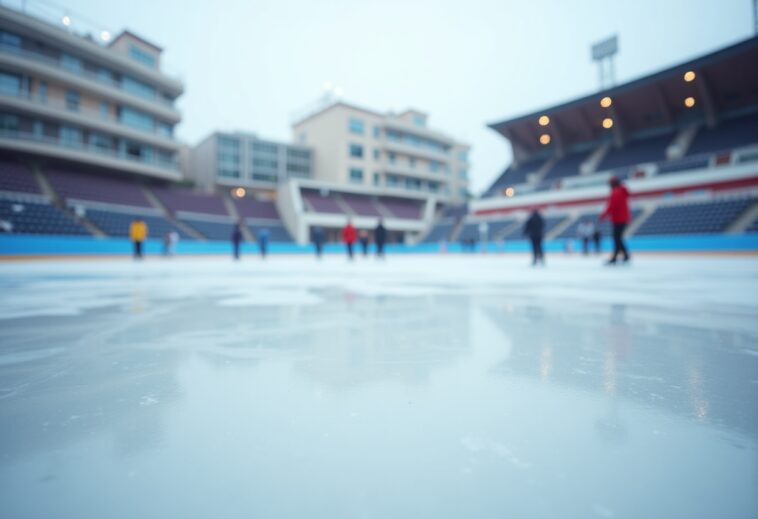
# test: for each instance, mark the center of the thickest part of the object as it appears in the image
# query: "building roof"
(725, 80)
(129, 34)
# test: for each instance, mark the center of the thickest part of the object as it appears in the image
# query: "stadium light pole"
(603, 53)
(755, 16)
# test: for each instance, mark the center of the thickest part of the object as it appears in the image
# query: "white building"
(230, 160)
(361, 147)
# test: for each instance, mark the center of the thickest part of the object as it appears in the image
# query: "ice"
(420, 386)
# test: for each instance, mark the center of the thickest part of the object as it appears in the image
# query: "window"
(355, 126)
(356, 175)
(71, 136)
(391, 157)
(264, 178)
(38, 129)
(72, 100)
(9, 42)
(142, 56)
(392, 181)
(137, 119)
(104, 110)
(10, 83)
(412, 162)
(463, 156)
(463, 192)
(463, 174)
(413, 183)
(165, 129)
(377, 132)
(229, 172)
(434, 166)
(356, 151)
(105, 75)
(302, 138)
(377, 154)
(261, 162)
(8, 123)
(377, 179)
(433, 187)
(100, 142)
(265, 147)
(43, 92)
(419, 120)
(71, 62)
(137, 88)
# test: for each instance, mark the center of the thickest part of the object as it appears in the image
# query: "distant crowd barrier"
(26, 245)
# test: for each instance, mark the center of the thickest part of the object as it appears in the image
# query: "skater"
(363, 239)
(318, 240)
(166, 245)
(349, 235)
(236, 241)
(138, 234)
(262, 236)
(618, 213)
(596, 237)
(380, 238)
(586, 231)
(534, 228)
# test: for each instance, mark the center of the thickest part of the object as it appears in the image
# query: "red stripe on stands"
(716, 186)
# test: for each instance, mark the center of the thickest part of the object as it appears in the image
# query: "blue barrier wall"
(20, 245)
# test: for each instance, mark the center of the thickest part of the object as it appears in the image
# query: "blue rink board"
(17, 245)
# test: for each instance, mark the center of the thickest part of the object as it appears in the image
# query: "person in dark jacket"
(618, 213)
(363, 239)
(380, 238)
(534, 229)
(236, 241)
(318, 236)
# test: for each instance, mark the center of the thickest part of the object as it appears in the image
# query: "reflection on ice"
(465, 387)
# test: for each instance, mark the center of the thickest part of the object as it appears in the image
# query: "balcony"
(407, 171)
(88, 118)
(39, 65)
(24, 142)
(416, 151)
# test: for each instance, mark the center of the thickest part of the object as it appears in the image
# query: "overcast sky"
(251, 64)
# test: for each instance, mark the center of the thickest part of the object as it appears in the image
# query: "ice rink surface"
(418, 387)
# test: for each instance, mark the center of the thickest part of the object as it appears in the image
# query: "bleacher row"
(111, 203)
(680, 218)
(361, 205)
(730, 134)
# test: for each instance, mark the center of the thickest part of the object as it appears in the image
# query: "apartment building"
(395, 152)
(80, 99)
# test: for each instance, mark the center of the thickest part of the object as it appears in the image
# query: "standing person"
(585, 231)
(349, 235)
(380, 238)
(596, 236)
(534, 228)
(236, 241)
(173, 238)
(138, 234)
(363, 238)
(166, 244)
(618, 213)
(318, 240)
(262, 236)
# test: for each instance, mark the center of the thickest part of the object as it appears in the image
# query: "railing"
(87, 112)
(89, 75)
(89, 148)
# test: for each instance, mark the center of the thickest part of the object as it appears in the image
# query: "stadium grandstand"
(685, 140)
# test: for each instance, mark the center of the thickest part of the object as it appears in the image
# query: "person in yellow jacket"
(138, 234)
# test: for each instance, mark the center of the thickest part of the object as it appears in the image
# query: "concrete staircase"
(743, 221)
(47, 189)
(170, 217)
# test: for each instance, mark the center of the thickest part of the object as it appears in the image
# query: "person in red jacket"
(349, 235)
(618, 213)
